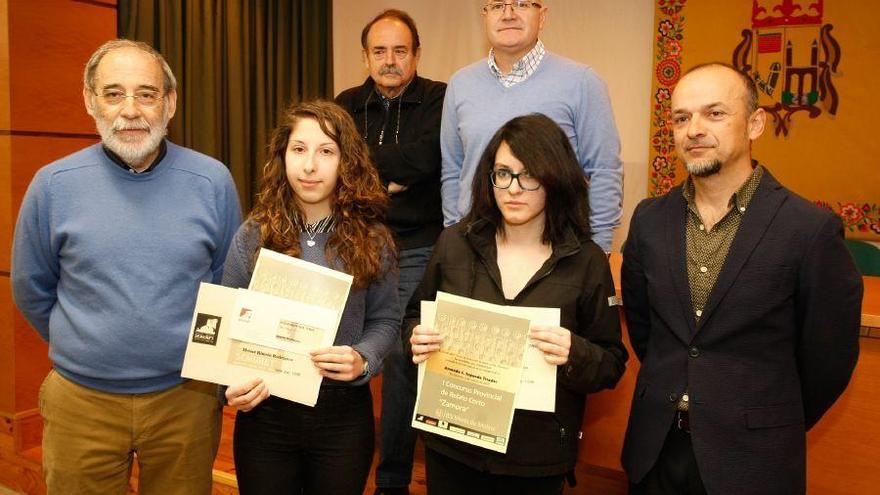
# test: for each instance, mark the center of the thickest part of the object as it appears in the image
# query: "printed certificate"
(468, 388)
(291, 308)
(537, 389)
(220, 351)
(292, 278)
(280, 323)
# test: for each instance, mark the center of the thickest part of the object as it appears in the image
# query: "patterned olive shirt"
(707, 249)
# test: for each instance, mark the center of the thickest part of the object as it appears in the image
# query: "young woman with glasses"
(526, 242)
(320, 200)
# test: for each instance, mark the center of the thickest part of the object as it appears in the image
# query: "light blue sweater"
(571, 94)
(106, 263)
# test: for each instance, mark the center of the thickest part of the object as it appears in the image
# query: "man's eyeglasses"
(519, 6)
(144, 98)
(503, 179)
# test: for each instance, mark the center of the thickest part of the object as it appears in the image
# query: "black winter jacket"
(577, 279)
(409, 153)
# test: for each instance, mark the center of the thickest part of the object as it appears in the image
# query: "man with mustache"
(398, 113)
(110, 246)
(742, 303)
(520, 77)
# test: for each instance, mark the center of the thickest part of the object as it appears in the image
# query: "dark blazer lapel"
(761, 211)
(677, 265)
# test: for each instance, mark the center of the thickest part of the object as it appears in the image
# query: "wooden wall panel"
(43, 49)
(606, 416)
(6, 360)
(31, 363)
(843, 449)
(49, 44)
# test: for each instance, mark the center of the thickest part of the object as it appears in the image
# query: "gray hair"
(169, 81)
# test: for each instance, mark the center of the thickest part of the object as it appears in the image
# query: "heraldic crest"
(792, 57)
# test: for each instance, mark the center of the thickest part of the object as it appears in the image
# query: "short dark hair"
(546, 152)
(397, 15)
(749, 83)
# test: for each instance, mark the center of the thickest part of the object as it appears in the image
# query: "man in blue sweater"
(110, 246)
(519, 77)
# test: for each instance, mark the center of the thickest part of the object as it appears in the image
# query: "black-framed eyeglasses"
(143, 97)
(503, 179)
(519, 5)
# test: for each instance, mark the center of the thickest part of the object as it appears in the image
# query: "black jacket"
(775, 345)
(409, 154)
(577, 279)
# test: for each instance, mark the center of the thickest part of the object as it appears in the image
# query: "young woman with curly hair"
(320, 200)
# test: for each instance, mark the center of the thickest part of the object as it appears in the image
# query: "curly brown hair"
(361, 240)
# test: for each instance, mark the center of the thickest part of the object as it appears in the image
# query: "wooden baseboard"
(19, 472)
(27, 429)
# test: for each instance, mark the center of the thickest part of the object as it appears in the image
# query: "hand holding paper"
(248, 395)
(553, 341)
(424, 340)
(341, 363)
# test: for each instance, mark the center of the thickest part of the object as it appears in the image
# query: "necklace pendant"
(310, 243)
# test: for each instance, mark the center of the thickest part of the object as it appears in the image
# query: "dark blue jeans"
(282, 447)
(398, 439)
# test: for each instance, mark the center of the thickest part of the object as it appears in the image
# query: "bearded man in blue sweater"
(110, 246)
(520, 77)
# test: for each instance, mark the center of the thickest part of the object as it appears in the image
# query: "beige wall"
(614, 37)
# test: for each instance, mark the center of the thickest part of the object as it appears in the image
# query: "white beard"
(132, 153)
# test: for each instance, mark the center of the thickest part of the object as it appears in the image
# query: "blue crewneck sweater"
(106, 263)
(571, 94)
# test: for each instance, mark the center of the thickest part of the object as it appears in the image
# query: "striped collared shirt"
(522, 69)
(322, 226)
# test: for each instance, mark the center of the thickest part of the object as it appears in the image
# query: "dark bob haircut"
(398, 15)
(545, 151)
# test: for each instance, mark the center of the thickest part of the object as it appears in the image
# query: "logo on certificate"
(206, 330)
(246, 314)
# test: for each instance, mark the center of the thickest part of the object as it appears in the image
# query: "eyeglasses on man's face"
(503, 179)
(143, 97)
(519, 6)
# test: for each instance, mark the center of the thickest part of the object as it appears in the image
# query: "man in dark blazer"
(742, 303)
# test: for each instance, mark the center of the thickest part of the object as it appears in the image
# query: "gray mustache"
(390, 69)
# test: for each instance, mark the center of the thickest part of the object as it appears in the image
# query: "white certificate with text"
(238, 335)
(537, 390)
(468, 388)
